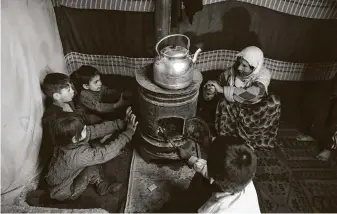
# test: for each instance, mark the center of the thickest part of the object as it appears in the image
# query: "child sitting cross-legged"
(75, 163)
(223, 183)
(93, 96)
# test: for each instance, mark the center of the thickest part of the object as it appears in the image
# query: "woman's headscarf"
(254, 56)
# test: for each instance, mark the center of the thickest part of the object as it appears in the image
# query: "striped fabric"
(317, 9)
(210, 60)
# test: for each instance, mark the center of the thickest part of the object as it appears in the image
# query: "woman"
(245, 109)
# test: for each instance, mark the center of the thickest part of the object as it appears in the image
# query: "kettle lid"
(174, 51)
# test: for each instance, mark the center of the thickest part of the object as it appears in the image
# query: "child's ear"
(56, 96)
(85, 86)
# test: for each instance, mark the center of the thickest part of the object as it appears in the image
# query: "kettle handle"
(188, 41)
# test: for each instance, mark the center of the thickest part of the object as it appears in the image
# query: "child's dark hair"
(65, 128)
(54, 83)
(83, 75)
(231, 163)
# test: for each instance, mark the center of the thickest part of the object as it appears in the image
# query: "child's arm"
(88, 156)
(109, 95)
(109, 127)
(199, 165)
(92, 102)
(105, 128)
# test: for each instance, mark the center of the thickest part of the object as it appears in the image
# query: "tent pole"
(163, 18)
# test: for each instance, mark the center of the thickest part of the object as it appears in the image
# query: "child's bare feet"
(303, 137)
(324, 155)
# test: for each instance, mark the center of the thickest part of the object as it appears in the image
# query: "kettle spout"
(196, 55)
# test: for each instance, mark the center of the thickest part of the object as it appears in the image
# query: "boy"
(58, 89)
(74, 162)
(229, 170)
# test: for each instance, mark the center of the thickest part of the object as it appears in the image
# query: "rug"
(115, 169)
(151, 185)
(290, 179)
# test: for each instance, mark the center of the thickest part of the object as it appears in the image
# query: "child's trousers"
(89, 175)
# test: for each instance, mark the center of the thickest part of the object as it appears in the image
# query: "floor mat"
(166, 179)
(290, 179)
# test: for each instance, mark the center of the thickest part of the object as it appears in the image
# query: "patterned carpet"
(290, 179)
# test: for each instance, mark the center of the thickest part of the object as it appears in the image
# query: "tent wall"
(298, 37)
(30, 46)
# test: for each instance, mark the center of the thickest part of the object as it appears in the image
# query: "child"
(58, 88)
(74, 162)
(93, 95)
(230, 168)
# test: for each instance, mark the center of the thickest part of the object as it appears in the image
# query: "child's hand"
(121, 102)
(132, 123)
(127, 95)
(128, 114)
(183, 154)
(125, 102)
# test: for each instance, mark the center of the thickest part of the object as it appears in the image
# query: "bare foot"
(324, 155)
(303, 137)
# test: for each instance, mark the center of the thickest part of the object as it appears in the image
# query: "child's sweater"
(101, 101)
(53, 112)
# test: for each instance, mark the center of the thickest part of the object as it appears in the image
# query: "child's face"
(95, 84)
(65, 95)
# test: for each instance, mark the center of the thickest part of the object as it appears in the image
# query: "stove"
(164, 109)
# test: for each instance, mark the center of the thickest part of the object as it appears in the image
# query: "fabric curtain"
(233, 25)
(107, 32)
(323, 9)
(297, 37)
(30, 47)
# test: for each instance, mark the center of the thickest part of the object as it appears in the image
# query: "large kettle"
(173, 67)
